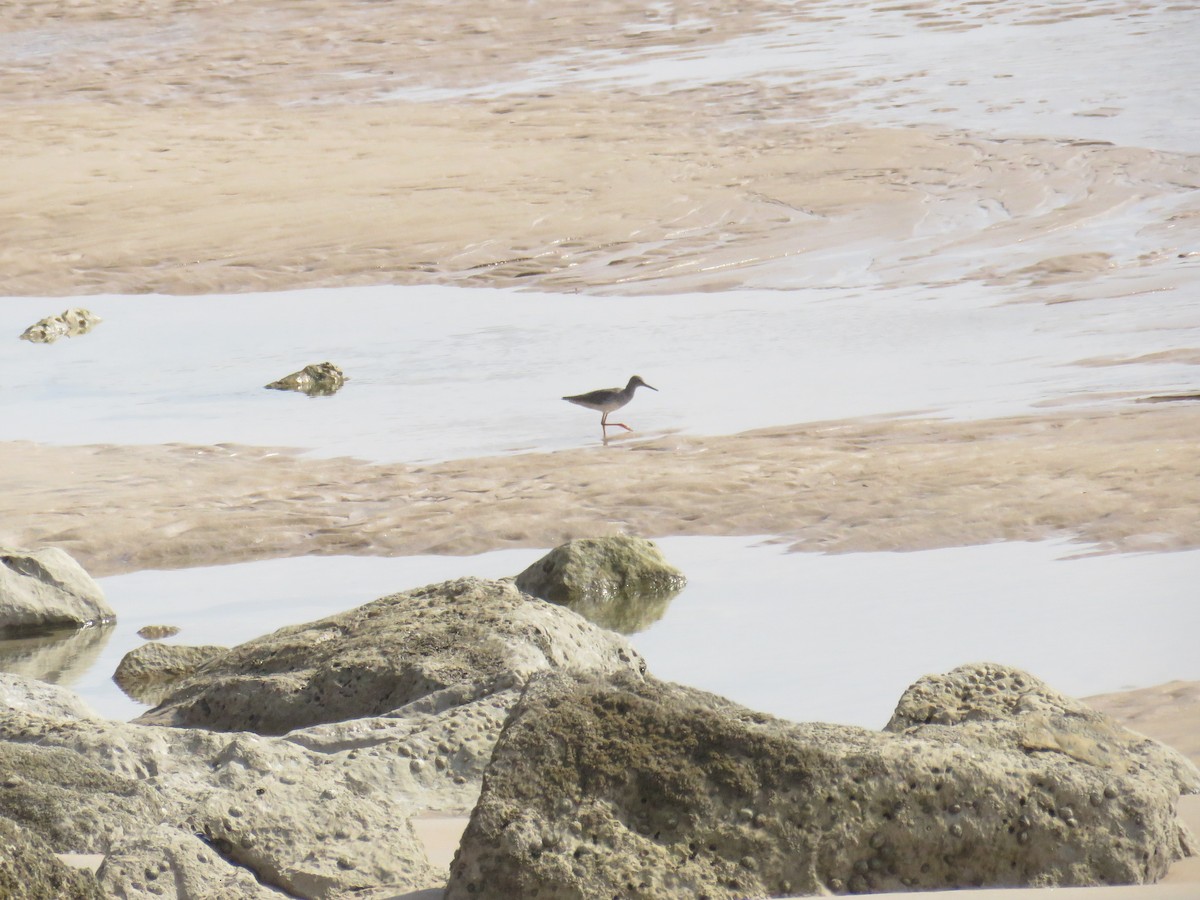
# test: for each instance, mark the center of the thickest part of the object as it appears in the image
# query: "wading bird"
(609, 400)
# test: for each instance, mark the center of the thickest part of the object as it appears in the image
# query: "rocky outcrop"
(29, 870)
(316, 380)
(623, 583)
(433, 648)
(1000, 704)
(45, 589)
(627, 786)
(419, 685)
(68, 323)
(149, 673)
(178, 806)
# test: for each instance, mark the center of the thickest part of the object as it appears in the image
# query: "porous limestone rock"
(324, 812)
(44, 589)
(28, 695)
(29, 870)
(626, 786)
(167, 863)
(71, 802)
(621, 582)
(313, 824)
(68, 323)
(150, 672)
(316, 380)
(1018, 708)
(444, 645)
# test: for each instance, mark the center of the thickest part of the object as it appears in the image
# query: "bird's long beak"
(652, 387)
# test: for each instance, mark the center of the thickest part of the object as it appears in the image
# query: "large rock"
(621, 582)
(68, 323)
(984, 697)
(29, 870)
(441, 646)
(324, 812)
(44, 589)
(636, 788)
(170, 807)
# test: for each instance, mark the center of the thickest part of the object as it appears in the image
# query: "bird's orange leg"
(604, 423)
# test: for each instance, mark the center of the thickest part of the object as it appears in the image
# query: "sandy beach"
(625, 152)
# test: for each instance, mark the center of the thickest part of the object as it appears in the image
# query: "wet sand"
(270, 146)
(1122, 480)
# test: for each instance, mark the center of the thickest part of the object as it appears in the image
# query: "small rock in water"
(68, 323)
(621, 582)
(158, 632)
(317, 380)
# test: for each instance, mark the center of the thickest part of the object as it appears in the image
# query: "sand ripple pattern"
(1108, 479)
(258, 145)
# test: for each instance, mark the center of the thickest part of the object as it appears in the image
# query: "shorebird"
(609, 400)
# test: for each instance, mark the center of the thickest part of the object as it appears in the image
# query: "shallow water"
(442, 372)
(1012, 69)
(800, 635)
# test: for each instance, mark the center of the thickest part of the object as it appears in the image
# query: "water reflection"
(60, 657)
(628, 612)
(809, 637)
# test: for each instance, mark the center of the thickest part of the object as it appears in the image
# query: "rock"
(308, 825)
(29, 870)
(312, 824)
(68, 323)
(436, 755)
(26, 695)
(72, 803)
(1037, 718)
(157, 632)
(620, 582)
(166, 863)
(317, 380)
(626, 786)
(150, 672)
(443, 645)
(45, 589)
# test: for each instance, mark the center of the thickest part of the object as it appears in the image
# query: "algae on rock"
(620, 582)
(68, 323)
(631, 787)
(316, 380)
